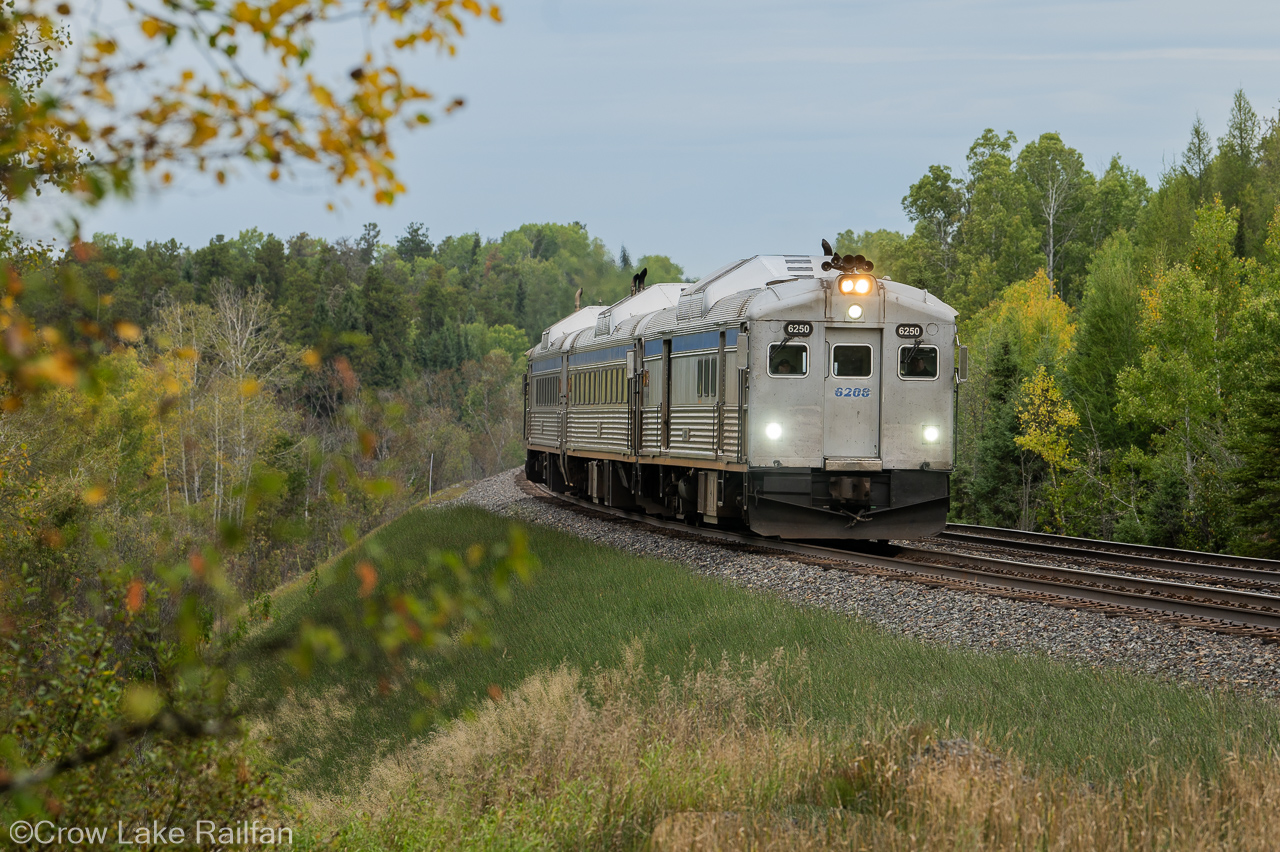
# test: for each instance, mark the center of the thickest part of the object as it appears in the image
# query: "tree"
(991, 474)
(1118, 201)
(1106, 342)
(1060, 189)
(662, 269)
(1024, 328)
(1197, 160)
(387, 325)
(166, 606)
(31, 158)
(1237, 164)
(216, 112)
(492, 407)
(935, 203)
(996, 243)
(367, 243)
(414, 243)
(1047, 422)
(1256, 442)
(884, 248)
(1175, 388)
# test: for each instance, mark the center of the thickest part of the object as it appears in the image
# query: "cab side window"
(788, 359)
(918, 362)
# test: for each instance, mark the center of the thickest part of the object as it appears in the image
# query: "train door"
(564, 405)
(742, 375)
(851, 408)
(666, 394)
(651, 385)
(635, 401)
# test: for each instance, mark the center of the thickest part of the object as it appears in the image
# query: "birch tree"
(1059, 193)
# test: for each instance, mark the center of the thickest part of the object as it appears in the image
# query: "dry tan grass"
(719, 761)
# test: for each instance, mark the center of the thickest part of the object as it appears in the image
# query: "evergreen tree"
(1237, 165)
(624, 260)
(387, 324)
(367, 243)
(414, 243)
(212, 263)
(995, 489)
(1106, 342)
(269, 267)
(1197, 160)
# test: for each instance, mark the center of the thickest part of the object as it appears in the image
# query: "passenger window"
(918, 362)
(790, 359)
(851, 362)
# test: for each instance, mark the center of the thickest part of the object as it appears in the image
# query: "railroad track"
(1243, 610)
(1241, 570)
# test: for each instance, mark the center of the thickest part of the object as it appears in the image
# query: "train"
(798, 396)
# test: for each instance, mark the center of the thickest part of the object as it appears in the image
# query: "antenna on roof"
(577, 300)
(827, 251)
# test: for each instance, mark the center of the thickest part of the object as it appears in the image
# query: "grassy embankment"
(590, 747)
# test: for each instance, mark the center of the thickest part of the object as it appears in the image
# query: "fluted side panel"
(729, 448)
(651, 424)
(599, 428)
(544, 428)
(693, 431)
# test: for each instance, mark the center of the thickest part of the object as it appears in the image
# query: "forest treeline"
(267, 357)
(1124, 339)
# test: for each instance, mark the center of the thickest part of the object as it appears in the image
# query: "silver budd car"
(799, 396)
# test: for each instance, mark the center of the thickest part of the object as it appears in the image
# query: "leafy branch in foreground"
(249, 89)
(119, 619)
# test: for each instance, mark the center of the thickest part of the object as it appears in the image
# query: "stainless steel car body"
(683, 399)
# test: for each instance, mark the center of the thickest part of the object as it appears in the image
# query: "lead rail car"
(799, 396)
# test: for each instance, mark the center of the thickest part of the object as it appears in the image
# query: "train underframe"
(791, 503)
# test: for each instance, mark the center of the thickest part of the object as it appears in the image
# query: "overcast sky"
(715, 130)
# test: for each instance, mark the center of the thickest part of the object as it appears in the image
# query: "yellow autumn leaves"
(216, 111)
(1046, 420)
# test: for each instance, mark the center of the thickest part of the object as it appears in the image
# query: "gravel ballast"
(959, 618)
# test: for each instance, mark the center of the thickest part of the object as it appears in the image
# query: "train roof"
(726, 295)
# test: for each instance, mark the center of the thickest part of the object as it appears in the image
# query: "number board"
(910, 330)
(799, 329)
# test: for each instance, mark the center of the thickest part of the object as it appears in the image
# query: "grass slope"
(588, 602)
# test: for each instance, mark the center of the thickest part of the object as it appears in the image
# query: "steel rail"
(1263, 570)
(1223, 610)
(1147, 586)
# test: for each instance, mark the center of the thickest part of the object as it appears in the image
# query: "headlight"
(860, 284)
(931, 434)
(855, 312)
(773, 431)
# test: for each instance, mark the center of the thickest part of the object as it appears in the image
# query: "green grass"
(587, 602)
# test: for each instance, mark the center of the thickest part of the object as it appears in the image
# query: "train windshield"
(918, 362)
(788, 359)
(851, 362)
